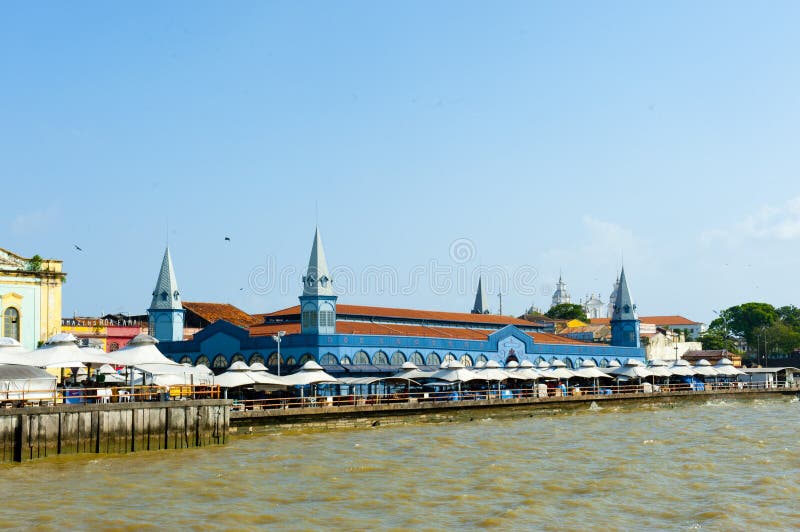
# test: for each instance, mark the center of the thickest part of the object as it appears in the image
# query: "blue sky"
(532, 137)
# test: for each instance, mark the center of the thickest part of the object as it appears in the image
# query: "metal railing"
(504, 394)
(116, 394)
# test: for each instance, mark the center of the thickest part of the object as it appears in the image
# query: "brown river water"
(720, 465)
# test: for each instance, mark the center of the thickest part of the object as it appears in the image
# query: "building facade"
(30, 298)
(348, 339)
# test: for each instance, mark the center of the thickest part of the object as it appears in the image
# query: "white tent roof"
(633, 371)
(725, 367)
(258, 366)
(310, 373)
(239, 366)
(141, 350)
(703, 367)
(456, 372)
(588, 370)
(682, 367)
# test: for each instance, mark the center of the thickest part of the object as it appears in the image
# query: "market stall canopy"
(141, 350)
(558, 370)
(456, 372)
(12, 352)
(682, 368)
(659, 368)
(19, 382)
(633, 369)
(409, 370)
(492, 372)
(703, 367)
(725, 367)
(310, 373)
(179, 374)
(588, 370)
(525, 372)
(95, 356)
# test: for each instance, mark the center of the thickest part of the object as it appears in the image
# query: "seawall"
(363, 416)
(39, 432)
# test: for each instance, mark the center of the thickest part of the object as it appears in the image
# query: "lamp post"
(277, 338)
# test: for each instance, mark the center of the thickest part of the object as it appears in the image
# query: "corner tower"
(318, 302)
(166, 311)
(624, 320)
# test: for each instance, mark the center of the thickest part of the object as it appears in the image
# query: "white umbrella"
(725, 367)
(310, 373)
(94, 355)
(455, 372)
(181, 373)
(632, 369)
(411, 371)
(659, 368)
(234, 379)
(682, 368)
(480, 364)
(12, 352)
(492, 372)
(588, 370)
(60, 351)
(703, 367)
(526, 372)
(141, 350)
(558, 370)
(258, 366)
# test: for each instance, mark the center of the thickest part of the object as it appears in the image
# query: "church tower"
(166, 311)
(612, 299)
(480, 306)
(624, 321)
(560, 295)
(318, 302)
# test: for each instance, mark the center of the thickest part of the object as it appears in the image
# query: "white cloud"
(767, 223)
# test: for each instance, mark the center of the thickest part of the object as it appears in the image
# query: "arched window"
(603, 363)
(380, 358)
(291, 362)
(512, 358)
(202, 360)
(570, 364)
(328, 359)
(273, 360)
(578, 362)
(417, 358)
(539, 360)
(553, 359)
(256, 358)
(449, 357)
(398, 358)
(113, 346)
(467, 361)
(11, 323)
(360, 358)
(434, 359)
(238, 357)
(220, 362)
(619, 362)
(482, 358)
(185, 359)
(306, 358)
(346, 361)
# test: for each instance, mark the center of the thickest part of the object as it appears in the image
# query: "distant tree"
(779, 338)
(567, 311)
(746, 321)
(790, 316)
(717, 338)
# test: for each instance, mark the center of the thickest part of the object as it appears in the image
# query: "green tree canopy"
(567, 311)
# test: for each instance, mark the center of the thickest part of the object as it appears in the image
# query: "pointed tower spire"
(166, 313)
(318, 302)
(317, 281)
(561, 295)
(624, 320)
(166, 295)
(480, 306)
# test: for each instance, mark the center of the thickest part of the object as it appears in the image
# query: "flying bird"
(76, 247)
(227, 239)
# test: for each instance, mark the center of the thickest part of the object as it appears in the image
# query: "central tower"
(624, 320)
(318, 302)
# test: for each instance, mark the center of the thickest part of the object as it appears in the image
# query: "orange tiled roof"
(367, 328)
(212, 312)
(411, 314)
(652, 320)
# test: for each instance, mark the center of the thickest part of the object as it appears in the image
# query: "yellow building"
(30, 298)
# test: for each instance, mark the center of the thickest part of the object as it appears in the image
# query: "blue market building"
(352, 339)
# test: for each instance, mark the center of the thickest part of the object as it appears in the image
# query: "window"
(220, 362)
(185, 359)
(306, 358)
(434, 359)
(256, 358)
(326, 318)
(603, 363)
(539, 360)
(380, 358)
(238, 357)
(114, 346)
(578, 362)
(360, 358)
(273, 360)
(291, 362)
(346, 361)
(482, 358)
(569, 363)
(417, 358)
(449, 357)
(309, 319)
(202, 360)
(467, 361)
(11, 323)
(328, 359)
(398, 358)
